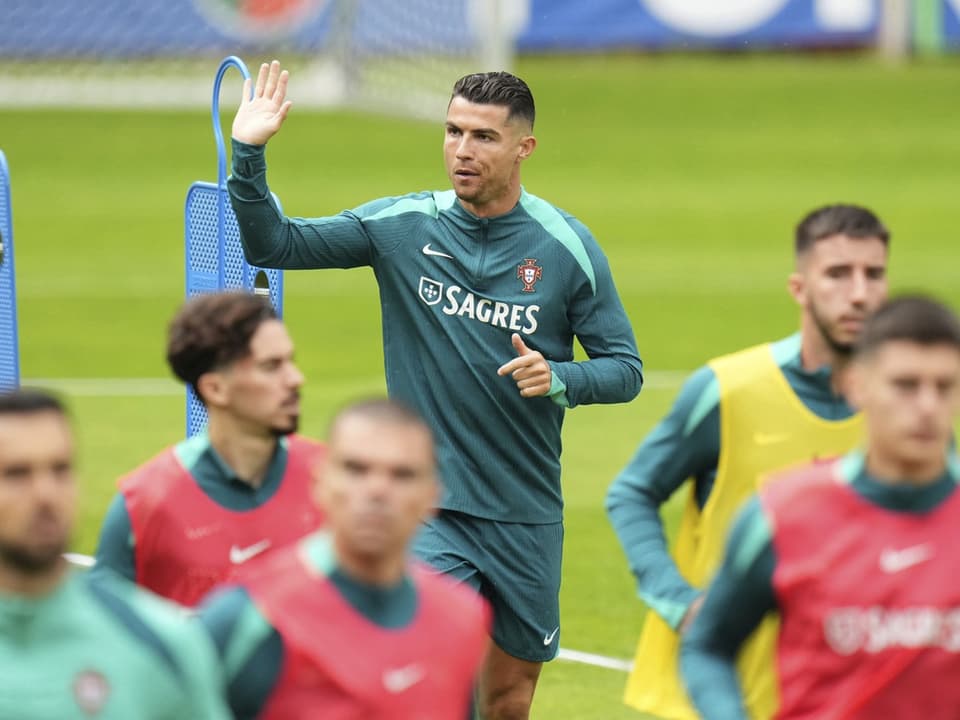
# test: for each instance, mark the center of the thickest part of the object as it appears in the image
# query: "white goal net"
(395, 56)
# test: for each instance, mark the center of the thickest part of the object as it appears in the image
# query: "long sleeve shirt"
(454, 287)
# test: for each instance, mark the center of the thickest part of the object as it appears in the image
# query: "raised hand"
(529, 369)
(260, 117)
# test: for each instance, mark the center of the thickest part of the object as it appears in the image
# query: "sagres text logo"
(463, 303)
(874, 629)
(528, 273)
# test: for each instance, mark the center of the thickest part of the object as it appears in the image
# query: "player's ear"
(528, 143)
(212, 388)
(796, 284)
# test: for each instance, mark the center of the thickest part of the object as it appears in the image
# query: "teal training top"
(453, 288)
(116, 549)
(686, 445)
(742, 591)
(101, 647)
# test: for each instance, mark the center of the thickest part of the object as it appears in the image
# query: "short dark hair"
(213, 330)
(914, 318)
(29, 401)
(840, 219)
(380, 408)
(497, 88)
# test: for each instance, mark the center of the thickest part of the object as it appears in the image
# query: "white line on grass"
(164, 387)
(596, 660)
(109, 387)
(85, 561)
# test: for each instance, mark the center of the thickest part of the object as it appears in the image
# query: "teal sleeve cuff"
(671, 611)
(249, 161)
(558, 388)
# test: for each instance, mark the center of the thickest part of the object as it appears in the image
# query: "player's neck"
(31, 585)
(890, 468)
(248, 455)
(816, 352)
(500, 206)
(385, 572)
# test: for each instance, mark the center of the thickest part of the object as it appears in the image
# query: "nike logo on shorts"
(547, 639)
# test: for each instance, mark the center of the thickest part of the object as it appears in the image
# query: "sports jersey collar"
(18, 611)
(813, 386)
(905, 498)
(463, 214)
(787, 354)
(221, 482)
(390, 607)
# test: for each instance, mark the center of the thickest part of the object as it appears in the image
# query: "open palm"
(260, 116)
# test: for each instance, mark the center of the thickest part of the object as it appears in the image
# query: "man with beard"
(857, 556)
(736, 419)
(74, 645)
(188, 518)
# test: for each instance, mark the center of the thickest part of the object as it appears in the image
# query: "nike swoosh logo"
(894, 561)
(400, 679)
(238, 555)
(547, 639)
(428, 251)
(761, 438)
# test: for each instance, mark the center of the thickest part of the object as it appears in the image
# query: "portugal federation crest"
(430, 291)
(91, 690)
(528, 273)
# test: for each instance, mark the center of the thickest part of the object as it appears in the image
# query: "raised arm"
(269, 238)
(261, 114)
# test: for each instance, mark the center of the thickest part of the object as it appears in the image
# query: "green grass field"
(691, 171)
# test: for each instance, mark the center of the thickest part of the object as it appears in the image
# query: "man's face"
(37, 490)
(262, 390)
(910, 396)
(483, 152)
(378, 483)
(839, 282)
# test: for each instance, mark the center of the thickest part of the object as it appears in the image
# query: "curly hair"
(213, 330)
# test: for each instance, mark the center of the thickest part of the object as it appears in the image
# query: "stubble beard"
(289, 429)
(31, 561)
(843, 350)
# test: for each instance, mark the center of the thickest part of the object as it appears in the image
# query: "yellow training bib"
(764, 427)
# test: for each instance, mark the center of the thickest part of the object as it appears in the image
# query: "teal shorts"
(515, 566)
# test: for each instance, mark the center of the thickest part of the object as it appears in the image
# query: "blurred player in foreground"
(343, 625)
(857, 555)
(188, 518)
(736, 419)
(483, 288)
(73, 645)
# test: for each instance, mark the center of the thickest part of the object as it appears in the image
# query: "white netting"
(392, 55)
